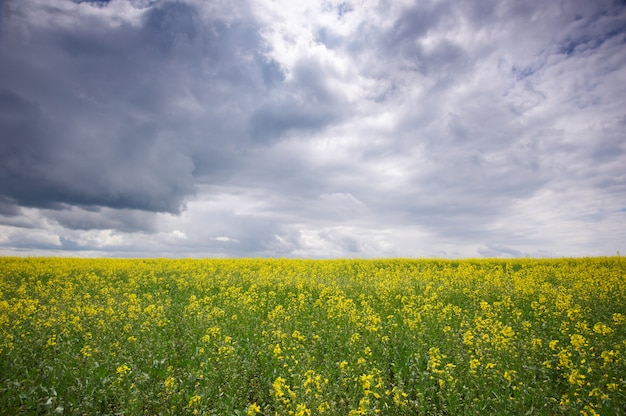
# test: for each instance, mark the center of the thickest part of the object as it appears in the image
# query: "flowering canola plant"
(312, 337)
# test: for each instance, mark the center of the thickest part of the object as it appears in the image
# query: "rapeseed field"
(303, 337)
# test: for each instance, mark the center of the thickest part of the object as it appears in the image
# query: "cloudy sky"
(312, 128)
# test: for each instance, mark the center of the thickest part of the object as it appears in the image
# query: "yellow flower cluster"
(304, 337)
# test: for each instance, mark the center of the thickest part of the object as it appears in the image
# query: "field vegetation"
(304, 337)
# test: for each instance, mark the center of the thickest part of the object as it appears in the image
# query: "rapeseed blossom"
(253, 409)
(298, 337)
(122, 370)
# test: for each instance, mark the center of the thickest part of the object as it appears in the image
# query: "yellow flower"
(298, 336)
(278, 385)
(323, 407)
(508, 375)
(596, 392)
(313, 380)
(277, 351)
(578, 341)
(194, 401)
(508, 332)
(434, 359)
(589, 411)
(302, 410)
(253, 409)
(399, 397)
(576, 378)
(602, 329)
(122, 370)
(564, 358)
(366, 381)
(608, 356)
(86, 351)
(52, 341)
(169, 384)
(468, 338)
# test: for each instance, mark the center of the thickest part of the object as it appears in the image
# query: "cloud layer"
(312, 129)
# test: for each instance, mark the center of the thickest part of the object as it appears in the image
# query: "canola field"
(305, 337)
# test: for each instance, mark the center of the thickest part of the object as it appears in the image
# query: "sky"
(313, 128)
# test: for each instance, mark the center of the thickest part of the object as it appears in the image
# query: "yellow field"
(299, 337)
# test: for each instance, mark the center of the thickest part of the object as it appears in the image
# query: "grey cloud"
(414, 23)
(105, 122)
(30, 239)
(589, 29)
(170, 24)
(306, 104)
(8, 207)
(270, 70)
(609, 146)
(497, 250)
(68, 244)
(43, 168)
(248, 235)
(74, 218)
(405, 41)
(288, 114)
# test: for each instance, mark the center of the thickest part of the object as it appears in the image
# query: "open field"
(299, 337)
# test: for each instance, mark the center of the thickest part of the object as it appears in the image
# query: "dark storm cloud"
(99, 115)
(8, 208)
(72, 141)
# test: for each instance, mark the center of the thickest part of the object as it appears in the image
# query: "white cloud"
(179, 235)
(226, 239)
